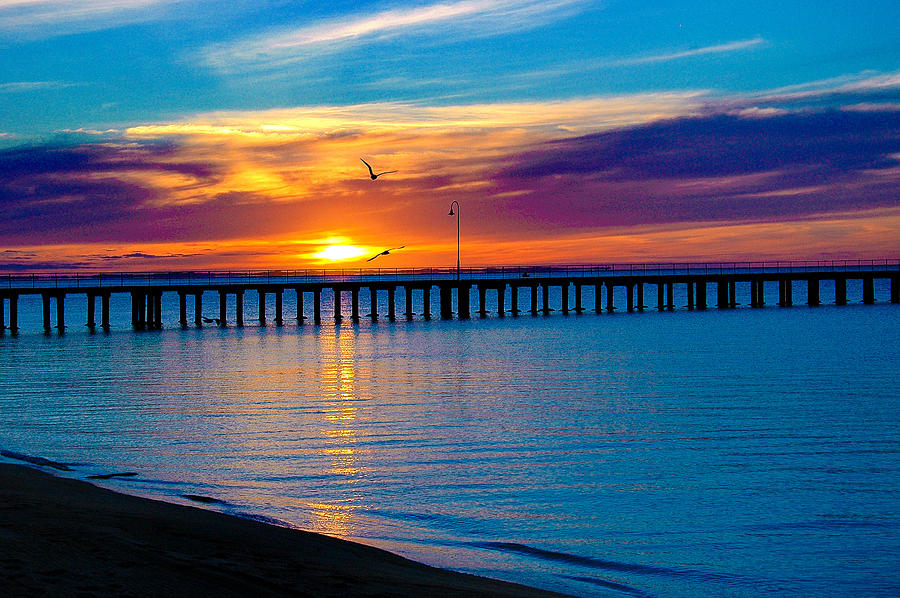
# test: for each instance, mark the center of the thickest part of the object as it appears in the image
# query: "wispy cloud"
(44, 18)
(867, 82)
(726, 48)
(28, 86)
(470, 17)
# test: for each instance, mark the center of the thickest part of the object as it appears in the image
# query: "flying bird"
(385, 252)
(372, 173)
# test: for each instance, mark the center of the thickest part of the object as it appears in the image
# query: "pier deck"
(705, 285)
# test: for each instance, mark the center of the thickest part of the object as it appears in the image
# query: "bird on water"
(372, 172)
(385, 252)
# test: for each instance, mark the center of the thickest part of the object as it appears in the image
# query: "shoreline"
(67, 537)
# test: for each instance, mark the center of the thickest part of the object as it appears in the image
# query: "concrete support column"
(447, 302)
(91, 321)
(690, 294)
(482, 311)
(609, 296)
(578, 307)
(534, 301)
(373, 303)
(545, 291)
(338, 316)
(501, 301)
(317, 306)
(598, 298)
(761, 293)
(670, 296)
(564, 291)
(182, 308)
(640, 296)
(392, 300)
(721, 294)
(139, 310)
(732, 294)
(262, 307)
(789, 293)
(239, 307)
(514, 299)
(223, 302)
(701, 295)
(660, 296)
(463, 301)
(782, 294)
(812, 292)
(61, 312)
(840, 291)
(14, 312)
(45, 299)
(754, 293)
(151, 304)
(198, 309)
(868, 290)
(157, 298)
(629, 301)
(426, 303)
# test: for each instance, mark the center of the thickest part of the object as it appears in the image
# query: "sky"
(189, 134)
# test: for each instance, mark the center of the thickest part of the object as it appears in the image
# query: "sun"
(337, 253)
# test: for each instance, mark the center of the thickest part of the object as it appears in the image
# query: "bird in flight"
(385, 252)
(372, 173)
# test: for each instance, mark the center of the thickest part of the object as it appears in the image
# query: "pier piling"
(840, 291)
(446, 296)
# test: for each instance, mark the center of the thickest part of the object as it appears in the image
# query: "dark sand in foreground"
(63, 537)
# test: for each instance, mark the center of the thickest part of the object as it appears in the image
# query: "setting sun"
(340, 252)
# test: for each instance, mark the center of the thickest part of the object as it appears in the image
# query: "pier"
(297, 296)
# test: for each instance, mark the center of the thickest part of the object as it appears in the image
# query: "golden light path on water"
(340, 397)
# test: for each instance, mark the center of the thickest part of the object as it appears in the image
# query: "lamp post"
(452, 213)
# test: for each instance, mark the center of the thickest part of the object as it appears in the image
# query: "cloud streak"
(469, 18)
(47, 18)
(29, 86)
(726, 48)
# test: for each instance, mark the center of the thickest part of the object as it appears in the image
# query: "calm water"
(725, 453)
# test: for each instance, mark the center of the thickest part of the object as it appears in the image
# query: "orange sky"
(278, 188)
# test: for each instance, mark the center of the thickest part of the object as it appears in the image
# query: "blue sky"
(138, 61)
(117, 73)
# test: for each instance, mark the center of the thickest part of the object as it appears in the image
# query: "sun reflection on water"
(340, 398)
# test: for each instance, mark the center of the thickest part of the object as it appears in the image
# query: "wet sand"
(64, 537)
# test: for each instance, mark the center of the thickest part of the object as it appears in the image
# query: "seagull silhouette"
(385, 252)
(372, 173)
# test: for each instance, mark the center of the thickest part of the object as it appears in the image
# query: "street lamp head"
(451, 212)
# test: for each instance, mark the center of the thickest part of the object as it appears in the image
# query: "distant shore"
(65, 537)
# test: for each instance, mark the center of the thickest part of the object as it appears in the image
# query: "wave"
(612, 585)
(35, 460)
(595, 563)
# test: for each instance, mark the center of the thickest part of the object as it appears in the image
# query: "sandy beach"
(65, 537)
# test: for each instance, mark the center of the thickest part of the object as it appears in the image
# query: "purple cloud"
(834, 143)
(64, 192)
(712, 168)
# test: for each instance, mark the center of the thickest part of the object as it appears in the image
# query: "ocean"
(718, 452)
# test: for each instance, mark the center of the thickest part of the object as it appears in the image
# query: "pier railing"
(357, 275)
